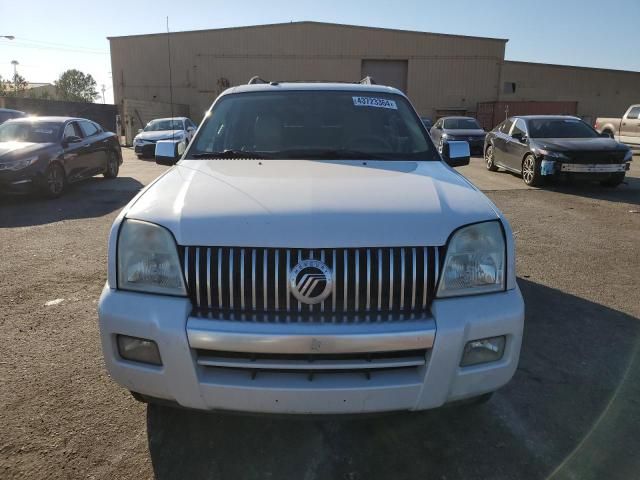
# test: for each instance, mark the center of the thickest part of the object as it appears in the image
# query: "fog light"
(139, 350)
(483, 351)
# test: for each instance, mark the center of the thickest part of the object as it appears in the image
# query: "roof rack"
(368, 80)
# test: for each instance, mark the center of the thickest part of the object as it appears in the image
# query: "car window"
(506, 126)
(461, 124)
(634, 113)
(36, 132)
(560, 128)
(88, 128)
(519, 127)
(163, 124)
(191, 124)
(280, 123)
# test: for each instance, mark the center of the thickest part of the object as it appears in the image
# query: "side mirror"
(456, 154)
(168, 152)
(71, 139)
(519, 137)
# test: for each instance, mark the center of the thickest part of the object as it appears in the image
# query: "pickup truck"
(625, 129)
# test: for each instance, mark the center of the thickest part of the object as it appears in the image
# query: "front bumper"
(23, 180)
(146, 149)
(186, 379)
(553, 167)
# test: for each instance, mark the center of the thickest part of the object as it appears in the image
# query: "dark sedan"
(541, 147)
(48, 153)
(465, 129)
(8, 114)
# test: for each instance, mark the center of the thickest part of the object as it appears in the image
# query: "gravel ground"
(572, 410)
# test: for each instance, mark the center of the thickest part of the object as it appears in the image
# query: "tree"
(75, 86)
(15, 87)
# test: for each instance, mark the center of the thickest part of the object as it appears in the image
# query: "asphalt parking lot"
(572, 410)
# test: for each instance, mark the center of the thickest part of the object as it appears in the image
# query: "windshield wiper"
(331, 154)
(229, 153)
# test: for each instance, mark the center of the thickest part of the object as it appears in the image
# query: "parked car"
(427, 122)
(540, 147)
(311, 253)
(48, 153)
(466, 129)
(176, 128)
(8, 114)
(625, 129)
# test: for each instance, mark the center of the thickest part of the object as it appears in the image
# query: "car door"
(500, 142)
(96, 145)
(516, 145)
(75, 152)
(630, 126)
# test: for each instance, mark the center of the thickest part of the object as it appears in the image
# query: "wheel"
(531, 171)
(113, 166)
(54, 181)
(488, 157)
(614, 180)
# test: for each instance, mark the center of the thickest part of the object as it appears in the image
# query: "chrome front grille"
(364, 280)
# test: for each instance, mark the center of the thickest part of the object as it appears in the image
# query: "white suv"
(311, 253)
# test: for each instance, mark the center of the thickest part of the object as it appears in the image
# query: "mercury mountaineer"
(311, 252)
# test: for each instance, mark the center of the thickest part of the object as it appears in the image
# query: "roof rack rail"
(368, 80)
(256, 79)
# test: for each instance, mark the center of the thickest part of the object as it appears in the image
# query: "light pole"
(15, 76)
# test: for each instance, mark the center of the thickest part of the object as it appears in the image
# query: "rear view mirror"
(168, 152)
(456, 154)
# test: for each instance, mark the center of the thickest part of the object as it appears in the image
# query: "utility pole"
(103, 90)
(15, 76)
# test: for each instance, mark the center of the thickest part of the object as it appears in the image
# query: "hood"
(311, 204)
(472, 132)
(18, 149)
(578, 144)
(158, 135)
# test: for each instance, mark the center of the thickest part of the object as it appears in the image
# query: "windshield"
(560, 128)
(37, 132)
(461, 124)
(166, 124)
(314, 124)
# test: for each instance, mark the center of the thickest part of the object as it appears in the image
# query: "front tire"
(113, 166)
(488, 157)
(54, 181)
(531, 174)
(614, 180)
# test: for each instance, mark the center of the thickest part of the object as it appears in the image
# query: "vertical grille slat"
(376, 280)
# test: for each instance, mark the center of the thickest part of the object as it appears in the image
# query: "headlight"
(19, 164)
(628, 156)
(148, 259)
(554, 155)
(475, 261)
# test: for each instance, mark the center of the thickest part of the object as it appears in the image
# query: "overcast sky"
(52, 37)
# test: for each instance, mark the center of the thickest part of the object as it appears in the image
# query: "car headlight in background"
(475, 261)
(18, 164)
(552, 155)
(148, 259)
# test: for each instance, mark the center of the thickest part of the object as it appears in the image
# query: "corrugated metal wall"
(443, 70)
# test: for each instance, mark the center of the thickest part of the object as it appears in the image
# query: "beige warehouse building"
(442, 74)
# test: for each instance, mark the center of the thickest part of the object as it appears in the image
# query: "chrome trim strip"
(379, 279)
(198, 277)
(391, 279)
(402, 274)
(253, 279)
(242, 278)
(209, 302)
(345, 289)
(276, 266)
(219, 283)
(368, 279)
(288, 285)
(265, 290)
(357, 272)
(425, 274)
(306, 365)
(593, 167)
(413, 287)
(231, 278)
(333, 275)
(223, 335)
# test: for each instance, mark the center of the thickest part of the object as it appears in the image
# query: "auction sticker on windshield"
(374, 102)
